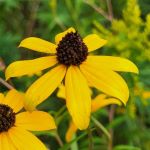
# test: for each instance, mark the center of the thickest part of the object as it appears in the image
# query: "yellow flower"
(14, 126)
(98, 102)
(71, 62)
(146, 94)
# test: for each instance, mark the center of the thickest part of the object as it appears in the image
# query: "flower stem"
(61, 110)
(110, 10)
(57, 137)
(2, 81)
(111, 117)
(99, 125)
(98, 9)
(90, 139)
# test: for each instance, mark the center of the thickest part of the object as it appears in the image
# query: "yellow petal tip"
(134, 68)
(124, 103)
(22, 43)
(19, 45)
(137, 71)
(7, 76)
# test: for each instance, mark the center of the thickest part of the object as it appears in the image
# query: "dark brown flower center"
(7, 118)
(71, 50)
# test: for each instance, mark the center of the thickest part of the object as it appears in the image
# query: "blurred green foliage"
(126, 26)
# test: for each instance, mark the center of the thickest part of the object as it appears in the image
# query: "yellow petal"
(24, 140)
(107, 81)
(15, 100)
(112, 63)
(5, 142)
(39, 45)
(35, 121)
(61, 92)
(78, 97)
(94, 42)
(20, 68)
(1, 97)
(101, 101)
(59, 36)
(71, 131)
(44, 86)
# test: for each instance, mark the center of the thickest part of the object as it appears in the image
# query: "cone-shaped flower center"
(7, 118)
(71, 50)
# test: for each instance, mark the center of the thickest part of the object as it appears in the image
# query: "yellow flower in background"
(142, 93)
(146, 94)
(14, 126)
(71, 62)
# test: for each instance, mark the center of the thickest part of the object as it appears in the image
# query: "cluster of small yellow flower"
(72, 63)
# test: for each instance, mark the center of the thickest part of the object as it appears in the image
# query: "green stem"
(61, 110)
(57, 137)
(90, 139)
(60, 118)
(99, 125)
(74, 145)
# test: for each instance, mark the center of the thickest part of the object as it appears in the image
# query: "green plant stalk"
(74, 145)
(100, 126)
(61, 110)
(2, 81)
(91, 146)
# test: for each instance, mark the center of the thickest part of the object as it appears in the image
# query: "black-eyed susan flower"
(14, 126)
(71, 62)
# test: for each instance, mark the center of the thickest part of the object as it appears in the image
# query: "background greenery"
(126, 26)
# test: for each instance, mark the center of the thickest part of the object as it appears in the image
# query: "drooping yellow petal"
(5, 142)
(35, 121)
(61, 92)
(94, 42)
(24, 140)
(112, 63)
(106, 81)
(14, 99)
(78, 97)
(59, 36)
(39, 45)
(44, 86)
(71, 131)
(101, 101)
(20, 68)
(1, 97)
